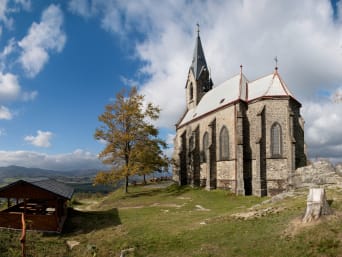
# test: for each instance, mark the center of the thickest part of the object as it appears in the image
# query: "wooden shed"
(43, 202)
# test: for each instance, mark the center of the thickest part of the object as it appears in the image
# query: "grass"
(182, 221)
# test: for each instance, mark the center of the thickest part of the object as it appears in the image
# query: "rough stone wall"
(252, 115)
(191, 102)
(252, 132)
(226, 175)
(277, 169)
(212, 174)
(245, 158)
(224, 117)
(298, 134)
(197, 90)
(226, 170)
(276, 110)
(277, 179)
(204, 173)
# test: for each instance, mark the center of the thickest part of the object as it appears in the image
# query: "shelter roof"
(51, 186)
(55, 187)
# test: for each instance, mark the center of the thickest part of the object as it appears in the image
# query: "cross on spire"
(276, 62)
(198, 29)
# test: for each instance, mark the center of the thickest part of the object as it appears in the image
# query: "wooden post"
(317, 205)
(23, 235)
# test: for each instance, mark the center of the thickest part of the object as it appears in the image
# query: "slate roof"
(55, 187)
(52, 186)
(199, 63)
(238, 88)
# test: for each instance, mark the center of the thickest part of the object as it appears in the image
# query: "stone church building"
(241, 135)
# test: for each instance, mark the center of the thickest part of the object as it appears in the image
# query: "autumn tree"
(132, 145)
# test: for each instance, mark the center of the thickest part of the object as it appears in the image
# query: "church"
(241, 135)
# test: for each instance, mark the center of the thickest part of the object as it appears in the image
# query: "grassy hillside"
(181, 221)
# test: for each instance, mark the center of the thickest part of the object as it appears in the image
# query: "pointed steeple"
(199, 81)
(198, 61)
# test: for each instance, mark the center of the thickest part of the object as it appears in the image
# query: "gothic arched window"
(205, 147)
(224, 144)
(276, 144)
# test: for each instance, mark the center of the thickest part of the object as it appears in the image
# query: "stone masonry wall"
(224, 117)
(278, 169)
(298, 134)
(276, 110)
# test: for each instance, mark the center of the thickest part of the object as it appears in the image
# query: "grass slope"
(181, 221)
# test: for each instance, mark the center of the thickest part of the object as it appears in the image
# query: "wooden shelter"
(44, 204)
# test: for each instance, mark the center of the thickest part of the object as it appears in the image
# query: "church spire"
(199, 81)
(198, 61)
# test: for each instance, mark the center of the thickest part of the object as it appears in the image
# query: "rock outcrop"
(318, 173)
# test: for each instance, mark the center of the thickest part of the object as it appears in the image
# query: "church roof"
(238, 88)
(271, 85)
(198, 60)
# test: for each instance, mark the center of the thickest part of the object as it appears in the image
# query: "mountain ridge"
(14, 171)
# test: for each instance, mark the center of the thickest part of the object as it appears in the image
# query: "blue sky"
(61, 62)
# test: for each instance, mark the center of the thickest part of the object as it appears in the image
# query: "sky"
(62, 61)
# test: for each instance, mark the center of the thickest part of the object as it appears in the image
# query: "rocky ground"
(319, 173)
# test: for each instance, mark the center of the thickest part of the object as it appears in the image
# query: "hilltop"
(183, 221)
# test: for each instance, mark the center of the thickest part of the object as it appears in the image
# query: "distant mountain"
(23, 172)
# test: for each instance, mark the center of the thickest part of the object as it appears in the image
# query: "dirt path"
(87, 205)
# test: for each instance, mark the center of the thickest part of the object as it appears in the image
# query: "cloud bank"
(79, 159)
(306, 36)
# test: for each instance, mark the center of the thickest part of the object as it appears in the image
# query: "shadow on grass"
(172, 190)
(87, 221)
(178, 190)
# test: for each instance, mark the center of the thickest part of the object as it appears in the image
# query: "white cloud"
(79, 159)
(2, 132)
(303, 34)
(337, 96)
(9, 7)
(29, 96)
(42, 139)
(26, 4)
(169, 141)
(5, 113)
(323, 129)
(81, 7)
(42, 38)
(129, 82)
(9, 87)
(4, 14)
(8, 49)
